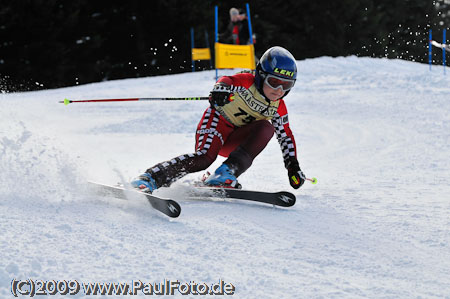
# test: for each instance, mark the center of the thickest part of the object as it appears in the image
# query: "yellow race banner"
(234, 56)
(201, 54)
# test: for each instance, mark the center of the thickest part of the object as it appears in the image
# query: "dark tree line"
(55, 43)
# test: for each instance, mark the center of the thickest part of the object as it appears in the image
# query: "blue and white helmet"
(278, 62)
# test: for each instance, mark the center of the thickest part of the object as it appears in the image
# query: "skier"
(236, 126)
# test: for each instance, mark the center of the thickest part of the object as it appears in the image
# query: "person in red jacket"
(237, 31)
(245, 111)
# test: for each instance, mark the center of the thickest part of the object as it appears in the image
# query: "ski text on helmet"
(284, 72)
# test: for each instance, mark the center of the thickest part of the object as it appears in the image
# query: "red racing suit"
(239, 130)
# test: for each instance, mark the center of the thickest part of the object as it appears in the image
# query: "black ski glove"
(296, 176)
(219, 95)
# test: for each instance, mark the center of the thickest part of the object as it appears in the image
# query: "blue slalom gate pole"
(444, 42)
(249, 23)
(430, 38)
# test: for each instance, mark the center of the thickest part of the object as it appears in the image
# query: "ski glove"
(296, 176)
(219, 95)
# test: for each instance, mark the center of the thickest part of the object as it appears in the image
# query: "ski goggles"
(277, 82)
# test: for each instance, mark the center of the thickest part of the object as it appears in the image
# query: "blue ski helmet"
(276, 61)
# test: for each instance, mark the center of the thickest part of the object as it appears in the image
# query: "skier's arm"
(288, 147)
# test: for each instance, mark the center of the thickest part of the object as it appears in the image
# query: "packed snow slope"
(375, 132)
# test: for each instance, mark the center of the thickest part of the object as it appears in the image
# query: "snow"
(375, 133)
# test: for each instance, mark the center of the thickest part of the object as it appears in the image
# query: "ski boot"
(222, 177)
(145, 183)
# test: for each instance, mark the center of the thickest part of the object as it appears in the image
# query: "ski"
(282, 198)
(168, 207)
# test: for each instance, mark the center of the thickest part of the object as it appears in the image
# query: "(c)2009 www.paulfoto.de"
(31, 287)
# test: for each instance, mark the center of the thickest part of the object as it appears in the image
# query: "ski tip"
(174, 208)
(286, 199)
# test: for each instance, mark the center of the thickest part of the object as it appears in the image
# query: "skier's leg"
(245, 144)
(241, 148)
(212, 130)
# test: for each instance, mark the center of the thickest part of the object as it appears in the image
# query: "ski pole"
(67, 101)
(312, 180)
